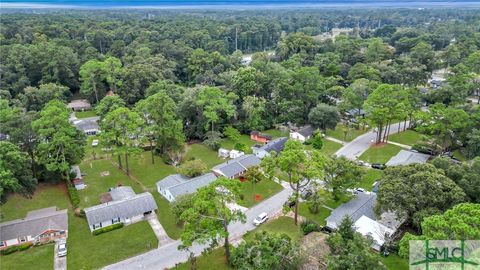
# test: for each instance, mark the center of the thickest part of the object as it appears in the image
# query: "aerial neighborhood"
(268, 137)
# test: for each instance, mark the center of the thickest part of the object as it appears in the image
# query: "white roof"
(369, 227)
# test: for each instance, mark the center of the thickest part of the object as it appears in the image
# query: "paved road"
(355, 148)
(158, 229)
(168, 255)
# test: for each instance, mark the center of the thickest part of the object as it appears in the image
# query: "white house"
(124, 206)
(176, 185)
(276, 145)
(38, 227)
(235, 153)
(371, 228)
(302, 134)
(236, 167)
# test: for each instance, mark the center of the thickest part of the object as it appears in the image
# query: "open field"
(264, 189)
(380, 153)
(41, 257)
(407, 137)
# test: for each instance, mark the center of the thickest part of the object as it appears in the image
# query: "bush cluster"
(12, 249)
(72, 192)
(108, 228)
(309, 226)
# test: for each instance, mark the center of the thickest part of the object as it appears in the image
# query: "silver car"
(260, 219)
(62, 249)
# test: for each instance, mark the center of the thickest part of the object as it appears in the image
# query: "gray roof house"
(236, 167)
(276, 145)
(79, 105)
(88, 125)
(405, 157)
(125, 206)
(176, 185)
(39, 226)
(361, 205)
(302, 134)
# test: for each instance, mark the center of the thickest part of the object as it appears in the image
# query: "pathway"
(359, 145)
(157, 228)
(59, 263)
(408, 147)
(335, 140)
(168, 256)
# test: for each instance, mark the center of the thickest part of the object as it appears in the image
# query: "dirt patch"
(378, 145)
(315, 248)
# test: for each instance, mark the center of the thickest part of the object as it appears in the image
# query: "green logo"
(436, 254)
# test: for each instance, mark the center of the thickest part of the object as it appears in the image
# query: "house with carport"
(176, 185)
(236, 167)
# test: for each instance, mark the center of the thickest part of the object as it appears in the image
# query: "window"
(2, 244)
(22, 239)
(97, 226)
(115, 220)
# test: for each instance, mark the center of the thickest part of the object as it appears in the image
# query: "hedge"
(309, 226)
(108, 228)
(12, 249)
(72, 191)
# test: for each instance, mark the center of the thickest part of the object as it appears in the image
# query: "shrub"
(309, 226)
(108, 228)
(240, 147)
(24, 246)
(192, 168)
(72, 192)
(12, 249)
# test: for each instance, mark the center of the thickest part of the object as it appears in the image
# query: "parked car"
(290, 202)
(260, 219)
(62, 249)
(358, 190)
(378, 166)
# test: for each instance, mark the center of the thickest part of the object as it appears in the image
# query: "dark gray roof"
(405, 157)
(35, 223)
(362, 205)
(121, 193)
(306, 131)
(276, 145)
(237, 165)
(187, 186)
(171, 180)
(126, 208)
(355, 112)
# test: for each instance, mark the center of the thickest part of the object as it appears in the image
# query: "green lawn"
(213, 260)
(86, 251)
(318, 218)
(458, 155)
(280, 225)
(380, 153)
(200, 151)
(339, 133)
(149, 174)
(329, 201)
(369, 177)
(329, 147)
(265, 188)
(41, 257)
(408, 137)
(17, 206)
(394, 262)
(85, 114)
(166, 216)
(97, 184)
(245, 139)
(275, 133)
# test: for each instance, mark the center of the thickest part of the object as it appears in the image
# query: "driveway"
(355, 148)
(59, 263)
(158, 229)
(168, 256)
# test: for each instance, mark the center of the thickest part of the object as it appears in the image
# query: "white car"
(260, 219)
(62, 249)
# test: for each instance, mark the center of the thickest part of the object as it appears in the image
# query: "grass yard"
(458, 155)
(339, 133)
(394, 262)
(265, 188)
(275, 133)
(166, 216)
(200, 151)
(319, 218)
(41, 257)
(149, 174)
(85, 114)
(330, 202)
(280, 225)
(97, 184)
(86, 251)
(213, 260)
(329, 147)
(369, 177)
(245, 139)
(46, 195)
(380, 153)
(407, 137)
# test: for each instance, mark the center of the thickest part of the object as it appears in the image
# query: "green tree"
(254, 109)
(232, 133)
(473, 143)
(60, 143)
(317, 141)
(350, 250)
(108, 104)
(121, 128)
(215, 105)
(34, 98)
(341, 174)
(15, 171)
(363, 71)
(267, 250)
(356, 93)
(254, 175)
(423, 53)
(425, 190)
(192, 168)
(244, 82)
(208, 217)
(378, 51)
(300, 166)
(112, 70)
(91, 75)
(324, 116)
